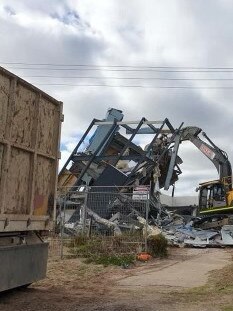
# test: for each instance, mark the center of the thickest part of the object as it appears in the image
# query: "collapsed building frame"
(159, 160)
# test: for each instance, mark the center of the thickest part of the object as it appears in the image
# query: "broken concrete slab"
(227, 234)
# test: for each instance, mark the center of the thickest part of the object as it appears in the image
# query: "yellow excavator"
(216, 196)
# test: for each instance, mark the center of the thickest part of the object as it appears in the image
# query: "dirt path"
(190, 272)
(160, 285)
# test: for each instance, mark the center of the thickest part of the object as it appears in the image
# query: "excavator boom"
(217, 156)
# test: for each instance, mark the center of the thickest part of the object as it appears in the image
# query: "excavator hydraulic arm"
(218, 157)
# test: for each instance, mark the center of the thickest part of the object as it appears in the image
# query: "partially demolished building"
(109, 158)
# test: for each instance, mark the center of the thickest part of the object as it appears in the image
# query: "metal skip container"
(30, 123)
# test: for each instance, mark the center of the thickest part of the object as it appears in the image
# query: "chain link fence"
(112, 220)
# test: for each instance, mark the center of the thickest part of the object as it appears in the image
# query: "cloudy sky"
(184, 37)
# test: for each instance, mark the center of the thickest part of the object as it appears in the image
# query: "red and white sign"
(141, 193)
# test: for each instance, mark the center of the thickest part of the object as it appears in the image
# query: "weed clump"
(157, 246)
(99, 251)
(115, 260)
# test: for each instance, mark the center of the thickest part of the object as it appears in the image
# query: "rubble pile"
(199, 232)
(122, 214)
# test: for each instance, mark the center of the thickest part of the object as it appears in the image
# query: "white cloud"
(113, 32)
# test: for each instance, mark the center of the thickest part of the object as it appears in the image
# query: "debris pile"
(190, 236)
(122, 214)
(199, 232)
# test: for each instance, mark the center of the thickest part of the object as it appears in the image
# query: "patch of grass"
(100, 251)
(228, 308)
(115, 260)
(84, 247)
(223, 279)
(157, 246)
(198, 291)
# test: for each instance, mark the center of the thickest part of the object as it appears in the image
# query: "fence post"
(63, 226)
(85, 211)
(61, 203)
(147, 212)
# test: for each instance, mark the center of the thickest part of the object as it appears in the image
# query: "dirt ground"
(189, 279)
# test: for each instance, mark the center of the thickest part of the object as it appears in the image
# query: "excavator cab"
(212, 196)
(215, 197)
